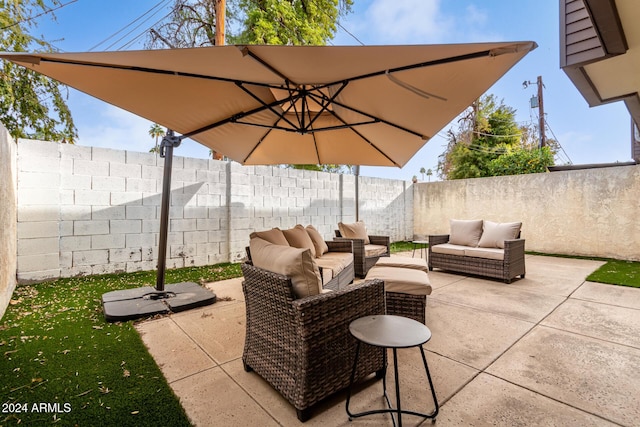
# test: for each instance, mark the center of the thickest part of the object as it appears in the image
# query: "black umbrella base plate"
(130, 304)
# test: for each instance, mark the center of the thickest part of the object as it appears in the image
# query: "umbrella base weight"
(130, 304)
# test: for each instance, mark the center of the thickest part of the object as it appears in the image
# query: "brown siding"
(579, 39)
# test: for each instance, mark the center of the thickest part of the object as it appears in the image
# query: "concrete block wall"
(84, 210)
(591, 212)
(8, 218)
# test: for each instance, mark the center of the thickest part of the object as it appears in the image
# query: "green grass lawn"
(618, 272)
(63, 364)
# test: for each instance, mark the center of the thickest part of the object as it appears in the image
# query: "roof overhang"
(600, 50)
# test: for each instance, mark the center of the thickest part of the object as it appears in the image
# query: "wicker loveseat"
(302, 352)
(481, 248)
(367, 249)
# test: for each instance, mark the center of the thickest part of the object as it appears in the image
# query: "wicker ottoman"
(406, 290)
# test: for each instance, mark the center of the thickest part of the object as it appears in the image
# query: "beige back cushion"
(299, 238)
(356, 230)
(495, 233)
(274, 236)
(318, 241)
(296, 263)
(465, 232)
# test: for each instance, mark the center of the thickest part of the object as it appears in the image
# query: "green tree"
(489, 142)
(156, 131)
(31, 105)
(429, 173)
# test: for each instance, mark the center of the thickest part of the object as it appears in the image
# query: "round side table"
(393, 332)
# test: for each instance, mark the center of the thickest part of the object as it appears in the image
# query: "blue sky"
(587, 135)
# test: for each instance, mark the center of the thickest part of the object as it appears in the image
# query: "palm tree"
(429, 173)
(422, 172)
(156, 131)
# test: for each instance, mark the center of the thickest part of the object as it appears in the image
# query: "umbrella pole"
(131, 304)
(166, 152)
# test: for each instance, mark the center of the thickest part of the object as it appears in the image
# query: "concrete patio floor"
(550, 349)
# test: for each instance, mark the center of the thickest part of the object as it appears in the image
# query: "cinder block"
(38, 196)
(65, 228)
(193, 163)
(149, 254)
(205, 249)
(38, 246)
(141, 212)
(66, 259)
(30, 148)
(75, 243)
(108, 183)
(195, 212)
(125, 170)
(92, 197)
(178, 199)
(136, 158)
(37, 276)
(107, 212)
(111, 268)
(125, 255)
(121, 199)
(40, 262)
(182, 251)
(152, 172)
(75, 182)
(150, 225)
(191, 237)
(76, 271)
(140, 240)
(107, 155)
(108, 241)
(92, 257)
(73, 151)
(88, 228)
(141, 185)
(37, 164)
(38, 213)
(126, 226)
(177, 225)
(208, 200)
(73, 212)
(208, 224)
(151, 199)
(38, 180)
(173, 238)
(88, 167)
(35, 229)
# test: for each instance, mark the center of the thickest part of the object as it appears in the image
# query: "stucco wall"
(592, 212)
(84, 210)
(8, 225)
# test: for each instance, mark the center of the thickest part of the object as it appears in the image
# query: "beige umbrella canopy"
(359, 105)
(364, 105)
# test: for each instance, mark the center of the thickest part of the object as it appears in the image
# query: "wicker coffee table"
(388, 331)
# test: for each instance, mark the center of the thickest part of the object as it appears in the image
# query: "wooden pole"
(219, 8)
(543, 139)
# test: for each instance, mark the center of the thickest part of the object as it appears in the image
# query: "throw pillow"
(274, 236)
(357, 230)
(318, 241)
(299, 238)
(496, 233)
(296, 263)
(465, 232)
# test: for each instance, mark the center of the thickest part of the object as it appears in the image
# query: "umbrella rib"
(268, 106)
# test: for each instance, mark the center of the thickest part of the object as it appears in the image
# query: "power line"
(558, 142)
(156, 6)
(38, 15)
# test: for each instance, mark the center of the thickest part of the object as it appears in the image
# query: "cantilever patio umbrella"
(359, 105)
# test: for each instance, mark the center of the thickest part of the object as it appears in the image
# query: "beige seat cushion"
(465, 232)
(274, 236)
(299, 238)
(401, 280)
(449, 249)
(495, 233)
(374, 250)
(333, 263)
(356, 230)
(318, 241)
(296, 263)
(488, 253)
(403, 262)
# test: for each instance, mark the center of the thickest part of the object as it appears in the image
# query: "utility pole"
(219, 8)
(543, 138)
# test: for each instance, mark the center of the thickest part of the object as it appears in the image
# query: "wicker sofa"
(296, 347)
(367, 249)
(478, 247)
(335, 259)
